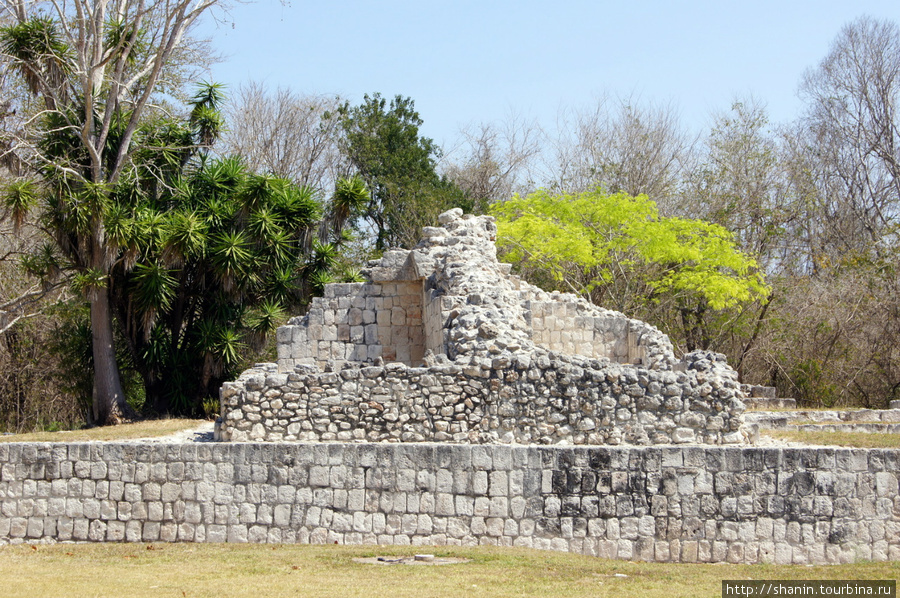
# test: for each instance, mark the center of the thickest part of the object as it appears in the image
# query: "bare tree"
(22, 297)
(852, 137)
(623, 146)
(739, 180)
(835, 323)
(288, 134)
(493, 161)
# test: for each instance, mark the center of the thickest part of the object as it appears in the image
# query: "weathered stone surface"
(689, 504)
(443, 344)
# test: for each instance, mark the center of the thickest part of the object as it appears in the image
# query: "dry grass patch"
(263, 571)
(847, 439)
(142, 429)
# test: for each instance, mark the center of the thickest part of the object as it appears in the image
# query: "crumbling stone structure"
(443, 344)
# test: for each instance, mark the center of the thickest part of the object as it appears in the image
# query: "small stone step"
(779, 420)
(895, 404)
(850, 427)
(767, 420)
(769, 403)
(756, 391)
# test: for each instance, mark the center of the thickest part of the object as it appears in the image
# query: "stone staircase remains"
(764, 397)
(762, 400)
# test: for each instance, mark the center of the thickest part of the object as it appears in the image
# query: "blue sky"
(468, 61)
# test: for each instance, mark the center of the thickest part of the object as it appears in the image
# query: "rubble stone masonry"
(443, 344)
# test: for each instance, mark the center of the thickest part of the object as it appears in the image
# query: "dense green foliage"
(619, 252)
(383, 145)
(216, 257)
(95, 80)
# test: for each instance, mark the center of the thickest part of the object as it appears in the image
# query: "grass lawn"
(143, 429)
(847, 439)
(262, 571)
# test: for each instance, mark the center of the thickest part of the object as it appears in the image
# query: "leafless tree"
(492, 161)
(852, 137)
(622, 145)
(836, 318)
(287, 134)
(739, 180)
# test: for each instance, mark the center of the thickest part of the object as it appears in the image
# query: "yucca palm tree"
(193, 257)
(228, 259)
(95, 71)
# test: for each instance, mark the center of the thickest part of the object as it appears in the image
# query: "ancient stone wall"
(442, 343)
(541, 397)
(358, 323)
(689, 504)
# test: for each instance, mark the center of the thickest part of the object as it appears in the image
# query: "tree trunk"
(109, 405)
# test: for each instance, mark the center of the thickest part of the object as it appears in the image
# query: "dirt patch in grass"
(264, 571)
(142, 429)
(416, 559)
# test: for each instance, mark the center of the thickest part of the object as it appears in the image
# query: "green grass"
(263, 571)
(846, 439)
(142, 429)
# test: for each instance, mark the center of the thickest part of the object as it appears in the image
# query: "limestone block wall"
(537, 397)
(357, 322)
(414, 299)
(564, 324)
(434, 309)
(689, 504)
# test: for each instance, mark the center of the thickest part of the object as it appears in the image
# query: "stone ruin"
(442, 343)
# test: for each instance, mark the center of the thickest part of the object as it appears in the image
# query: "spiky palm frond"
(187, 236)
(232, 256)
(318, 280)
(208, 124)
(323, 258)
(206, 117)
(153, 287)
(45, 263)
(39, 53)
(125, 40)
(209, 95)
(278, 249)
(18, 198)
(263, 320)
(351, 196)
(260, 191)
(120, 232)
(349, 274)
(150, 230)
(280, 284)
(222, 177)
(264, 223)
(228, 347)
(89, 282)
(298, 205)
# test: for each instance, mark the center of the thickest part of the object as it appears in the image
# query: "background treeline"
(231, 208)
(815, 201)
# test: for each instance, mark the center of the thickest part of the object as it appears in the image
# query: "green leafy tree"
(97, 73)
(617, 251)
(383, 145)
